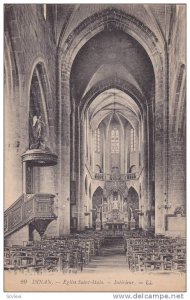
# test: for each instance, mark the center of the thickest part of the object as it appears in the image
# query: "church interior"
(95, 141)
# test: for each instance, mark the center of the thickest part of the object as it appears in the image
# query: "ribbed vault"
(113, 101)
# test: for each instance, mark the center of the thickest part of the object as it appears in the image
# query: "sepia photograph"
(94, 147)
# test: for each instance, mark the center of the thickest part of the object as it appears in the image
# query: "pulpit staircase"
(35, 210)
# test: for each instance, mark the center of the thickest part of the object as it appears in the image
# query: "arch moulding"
(110, 19)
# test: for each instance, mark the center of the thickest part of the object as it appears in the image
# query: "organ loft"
(94, 120)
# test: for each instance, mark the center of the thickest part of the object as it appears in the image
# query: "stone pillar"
(145, 175)
(126, 150)
(98, 221)
(160, 175)
(90, 210)
(92, 153)
(24, 188)
(91, 149)
(104, 151)
(81, 199)
(64, 160)
(141, 221)
(107, 152)
(132, 223)
(177, 174)
(73, 146)
(122, 150)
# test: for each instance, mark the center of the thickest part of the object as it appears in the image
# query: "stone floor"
(112, 257)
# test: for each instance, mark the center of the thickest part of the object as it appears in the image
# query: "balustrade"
(26, 208)
(122, 177)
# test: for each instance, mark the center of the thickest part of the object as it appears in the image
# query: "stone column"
(104, 151)
(64, 159)
(73, 146)
(141, 221)
(92, 151)
(81, 199)
(160, 175)
(90, 209)
(98, 221)
(177, 174)
(126, 151)
(122, 150)
(107, 152)
(24, 187)
(145, 174)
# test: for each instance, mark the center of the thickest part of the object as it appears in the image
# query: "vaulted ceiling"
(111, 54)
(113, 103)
(154, 16)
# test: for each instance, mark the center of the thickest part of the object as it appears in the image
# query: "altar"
(115, 212)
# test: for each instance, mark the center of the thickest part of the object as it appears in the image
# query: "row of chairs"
(156, 254)
(66, 254)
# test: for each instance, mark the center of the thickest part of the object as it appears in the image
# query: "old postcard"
(95, 147)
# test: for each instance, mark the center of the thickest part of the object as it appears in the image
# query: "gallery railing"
(26, 209)
(106, 177)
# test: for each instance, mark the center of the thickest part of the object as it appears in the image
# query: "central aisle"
(112, 257)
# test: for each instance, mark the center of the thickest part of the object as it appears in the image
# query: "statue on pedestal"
(38, 128)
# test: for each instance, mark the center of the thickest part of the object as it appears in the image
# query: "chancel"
(95, 135)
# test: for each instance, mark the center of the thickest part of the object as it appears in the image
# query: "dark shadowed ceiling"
(111, 54)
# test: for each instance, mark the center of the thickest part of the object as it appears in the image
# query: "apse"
(116, 124)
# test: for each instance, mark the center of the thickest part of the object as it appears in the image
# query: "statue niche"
(38, 115)
(39, 154)
(37, 134)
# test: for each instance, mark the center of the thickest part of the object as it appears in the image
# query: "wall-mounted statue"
(38, 133)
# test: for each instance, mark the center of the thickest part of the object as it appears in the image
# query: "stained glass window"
(115, 140)
(97, 140)
(133, 144)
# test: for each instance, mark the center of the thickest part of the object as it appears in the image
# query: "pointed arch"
(110, 18)
(179, 98)
(133, 203)
(40, 100)
(97, 197)
(114, 19)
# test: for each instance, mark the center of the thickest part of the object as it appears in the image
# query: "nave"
(95, 143)
(97, 252)
(112, 258)
(95, 121)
